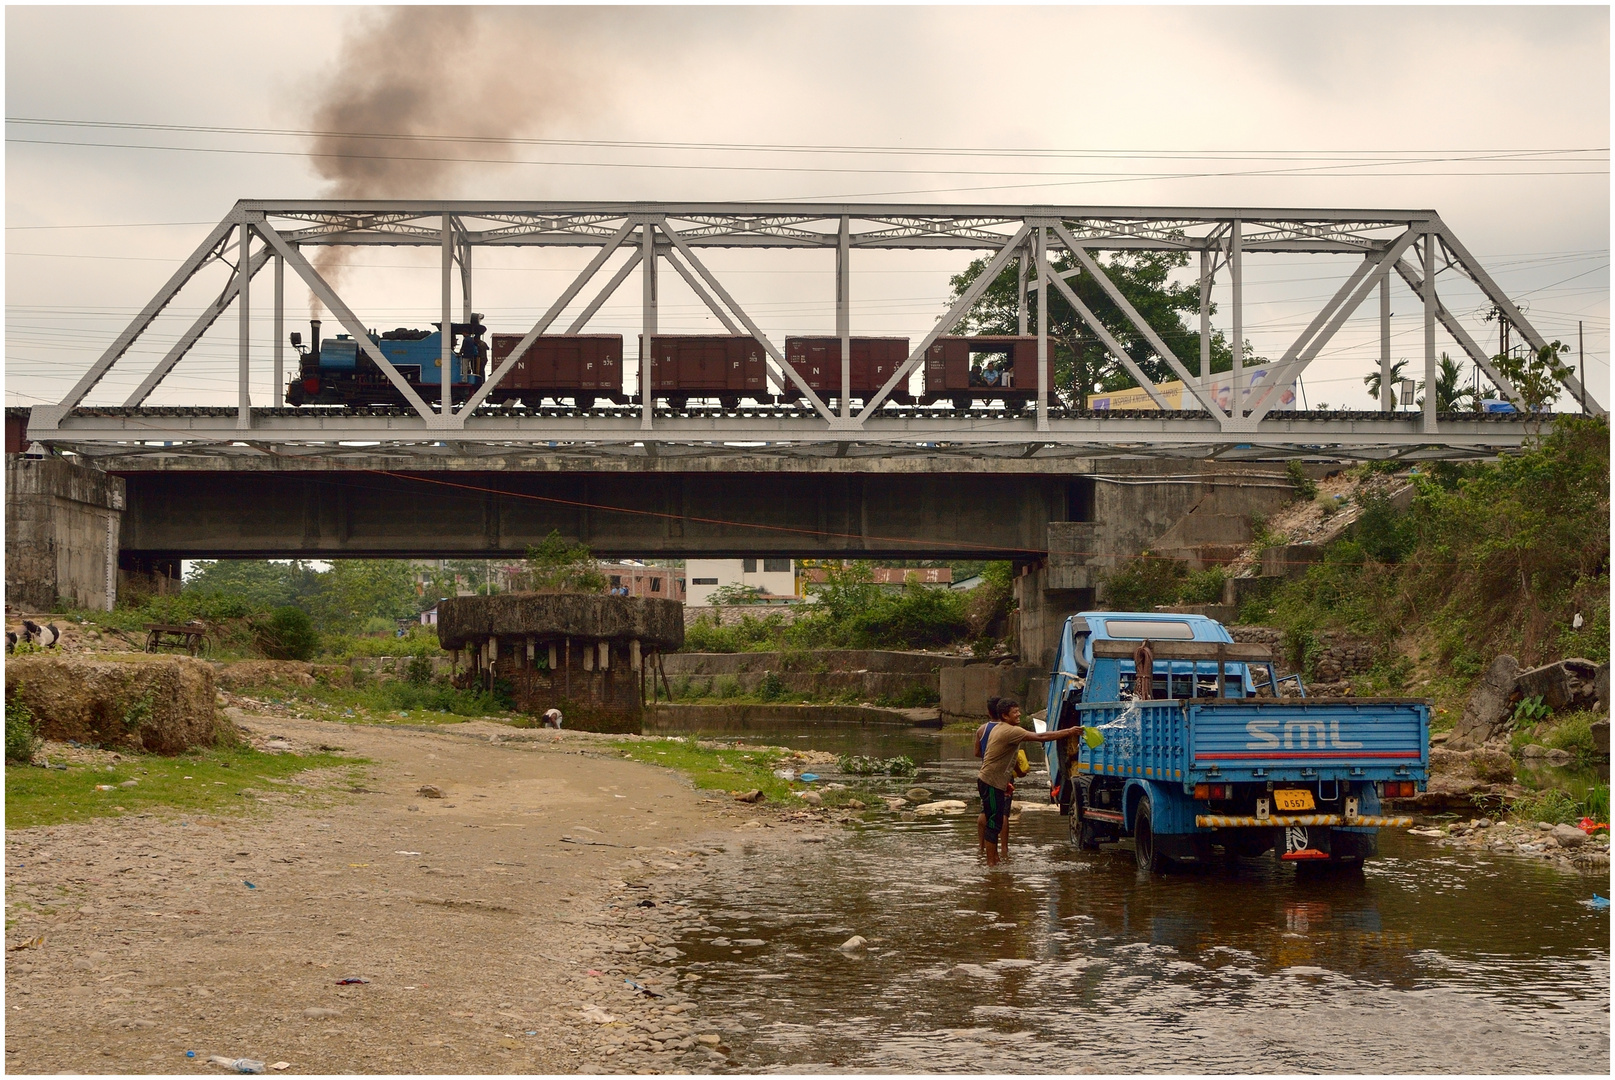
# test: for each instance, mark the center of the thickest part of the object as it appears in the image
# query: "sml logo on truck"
(1297, 735)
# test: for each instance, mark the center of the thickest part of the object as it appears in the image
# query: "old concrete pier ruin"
(593, 657)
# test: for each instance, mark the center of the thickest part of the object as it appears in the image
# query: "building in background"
(892, 576)
(643, 579)
(775, 577)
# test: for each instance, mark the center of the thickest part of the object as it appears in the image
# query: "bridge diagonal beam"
(543, 324)
(206, 251)
(701, 293)
(949, 319)
(1110, 342)
(1511, 312)
(1376, 269)
(209, 316)
(1461, 336)
(1287, 361)
(350, 322)
(606, 292)
(1201, 393)
(783, 368)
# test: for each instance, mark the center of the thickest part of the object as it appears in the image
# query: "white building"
(703, 577)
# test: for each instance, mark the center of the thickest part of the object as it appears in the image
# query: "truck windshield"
(1165, 630)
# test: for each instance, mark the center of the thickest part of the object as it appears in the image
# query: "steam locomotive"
(588, 368)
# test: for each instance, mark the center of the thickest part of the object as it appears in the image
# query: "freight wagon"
(1195, 763)
(964, 370)
(725, 367)
(583, 367)
(873, 361)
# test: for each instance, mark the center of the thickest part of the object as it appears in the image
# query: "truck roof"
(1162, 625)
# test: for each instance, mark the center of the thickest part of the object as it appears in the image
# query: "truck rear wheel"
(1144, 849)
(1081, 830)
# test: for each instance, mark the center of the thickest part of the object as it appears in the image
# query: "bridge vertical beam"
(844, 311)
(277, 392)
(1430, 331)
(1205, 316)
(647, 262)
(447, 337)
(1385, 344)
(1041, 261)
(465, 275)
(1236, 279)
(244, 309)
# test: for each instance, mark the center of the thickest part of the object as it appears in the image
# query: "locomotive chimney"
(314, 334)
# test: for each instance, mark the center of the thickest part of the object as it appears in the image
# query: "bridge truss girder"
(261, 233)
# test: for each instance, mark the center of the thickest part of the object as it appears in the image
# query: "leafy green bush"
(1305, 487)
(1572, 732)
(22, 733)
(1551, 805)
(1203, 586)
(772, 688)
(1530, 710)
(1142, 583)
(288, 634)
(901, 765)
(914, 697)
(1596, 803)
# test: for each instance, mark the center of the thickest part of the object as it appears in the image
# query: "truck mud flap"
(1299, 843)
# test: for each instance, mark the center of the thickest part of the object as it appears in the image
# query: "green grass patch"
(387, 701)
(712, 768)
(219, 781)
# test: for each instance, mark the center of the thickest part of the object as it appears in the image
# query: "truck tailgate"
(1290, 739)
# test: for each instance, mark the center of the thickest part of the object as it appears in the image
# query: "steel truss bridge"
(1413, 245)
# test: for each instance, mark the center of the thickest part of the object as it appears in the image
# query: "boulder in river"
(1569, 836)
(1489, 705)
(1562, 685)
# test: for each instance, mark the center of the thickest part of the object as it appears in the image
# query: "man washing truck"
(1193, 760)
(998, 744)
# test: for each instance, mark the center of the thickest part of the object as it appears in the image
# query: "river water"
(1063, 961)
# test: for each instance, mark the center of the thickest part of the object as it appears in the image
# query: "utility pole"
(1581, 363)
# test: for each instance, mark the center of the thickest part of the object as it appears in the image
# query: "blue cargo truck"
(1200, 764)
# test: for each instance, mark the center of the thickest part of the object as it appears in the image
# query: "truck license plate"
(1292, 799)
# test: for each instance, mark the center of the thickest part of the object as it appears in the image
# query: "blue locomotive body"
(339, 371)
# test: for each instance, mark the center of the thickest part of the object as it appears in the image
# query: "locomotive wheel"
(585, 402)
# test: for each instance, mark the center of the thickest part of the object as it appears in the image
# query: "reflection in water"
(1063, 961)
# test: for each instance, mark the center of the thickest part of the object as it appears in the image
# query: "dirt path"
(475, 923)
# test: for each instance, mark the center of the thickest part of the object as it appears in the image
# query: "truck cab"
(1216, 756)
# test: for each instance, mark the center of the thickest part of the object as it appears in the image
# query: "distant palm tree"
(1451, 393)
(1371, 380)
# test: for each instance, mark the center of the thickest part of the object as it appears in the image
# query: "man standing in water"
(1002, 740)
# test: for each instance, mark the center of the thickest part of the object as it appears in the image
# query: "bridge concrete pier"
(1199, 513)
(63, 527)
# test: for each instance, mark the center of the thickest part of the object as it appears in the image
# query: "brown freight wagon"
(989, 367)
(708, 365)
(579, 366)
(818, 361)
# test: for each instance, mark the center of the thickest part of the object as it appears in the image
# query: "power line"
(804, 148)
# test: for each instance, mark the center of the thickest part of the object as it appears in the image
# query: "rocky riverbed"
(1563, 844)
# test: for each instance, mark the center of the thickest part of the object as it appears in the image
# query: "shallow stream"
(1429, 960)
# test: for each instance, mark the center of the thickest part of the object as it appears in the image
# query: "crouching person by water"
(998, 744)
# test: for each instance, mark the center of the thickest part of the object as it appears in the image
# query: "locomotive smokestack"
(314, 333)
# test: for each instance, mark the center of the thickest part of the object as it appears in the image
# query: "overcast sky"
(1496, 117)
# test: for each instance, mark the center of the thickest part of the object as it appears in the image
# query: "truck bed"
(1257, 739)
